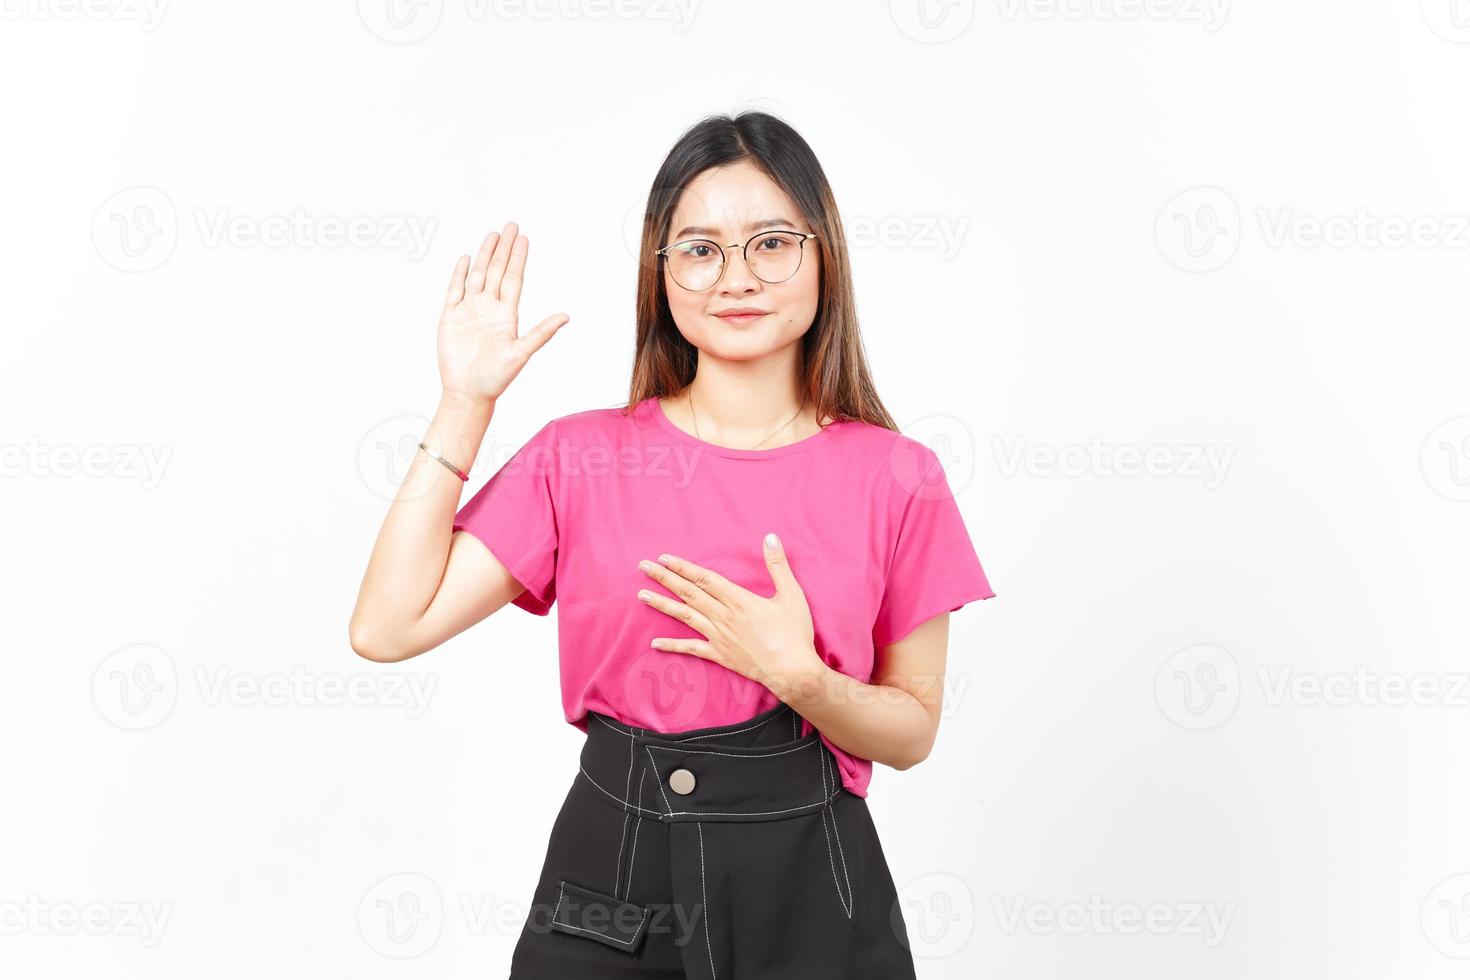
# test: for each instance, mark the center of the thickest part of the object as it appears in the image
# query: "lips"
(742, 315)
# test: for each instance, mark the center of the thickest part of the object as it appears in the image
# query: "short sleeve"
(934, 568)
(514, 514)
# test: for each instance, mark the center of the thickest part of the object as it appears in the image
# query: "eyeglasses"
(698, 263)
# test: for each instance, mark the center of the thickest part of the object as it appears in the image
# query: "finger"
(700, 648)
(476, 281)
(778, 566)
(529, 343)
(710, 582)
(510, 283)
(456, 281)
(684, 613)
(685, 589)
(499, 258)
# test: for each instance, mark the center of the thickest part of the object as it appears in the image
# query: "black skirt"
(723, 853)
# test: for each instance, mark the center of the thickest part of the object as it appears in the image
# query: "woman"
(755, 571)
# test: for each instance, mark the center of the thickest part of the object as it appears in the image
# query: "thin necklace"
(689, 394)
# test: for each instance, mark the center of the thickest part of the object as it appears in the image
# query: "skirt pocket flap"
(596, 915)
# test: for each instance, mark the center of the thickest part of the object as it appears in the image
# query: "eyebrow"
(757, 226)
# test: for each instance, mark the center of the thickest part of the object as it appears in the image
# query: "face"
(731, 204)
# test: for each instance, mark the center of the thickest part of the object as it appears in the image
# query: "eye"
(772, 244)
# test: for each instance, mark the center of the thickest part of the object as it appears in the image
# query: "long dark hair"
(834, 368)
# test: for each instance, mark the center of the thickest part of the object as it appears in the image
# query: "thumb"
(533, 341)
(777, 565)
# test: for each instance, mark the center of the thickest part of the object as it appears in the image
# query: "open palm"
(480, 351)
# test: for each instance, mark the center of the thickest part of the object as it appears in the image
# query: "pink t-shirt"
(865, 514)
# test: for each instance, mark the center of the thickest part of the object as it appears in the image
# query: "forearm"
(872, 721)
(412, 547)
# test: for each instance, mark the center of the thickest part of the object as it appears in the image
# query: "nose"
(737, 274)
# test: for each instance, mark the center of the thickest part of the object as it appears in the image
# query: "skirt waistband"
(756, 769)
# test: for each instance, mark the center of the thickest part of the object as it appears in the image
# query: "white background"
(1226, 698)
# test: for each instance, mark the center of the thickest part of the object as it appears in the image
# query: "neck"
(742, 408)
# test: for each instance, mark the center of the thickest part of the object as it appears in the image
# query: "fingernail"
(772, 541)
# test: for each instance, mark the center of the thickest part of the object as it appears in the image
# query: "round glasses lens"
(774, 256)
(695, 265)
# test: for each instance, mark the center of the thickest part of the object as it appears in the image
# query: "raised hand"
(480, 351)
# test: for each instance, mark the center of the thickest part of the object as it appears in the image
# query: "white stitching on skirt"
(676, 738)
(837, 780)
(618, 869)
(633, 859)
(707, 947)
(737, 731)
(702, 813)
(831, 861)
(731, 755)
(660, 781)
(591, 932)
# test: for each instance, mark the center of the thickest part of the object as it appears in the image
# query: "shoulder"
(593, 421)
(898, 467)
(610, 426)
(877, 442)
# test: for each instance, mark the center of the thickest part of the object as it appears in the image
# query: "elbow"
(914, 754)
(369, 645)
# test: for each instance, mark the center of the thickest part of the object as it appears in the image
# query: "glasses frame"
(801, 236)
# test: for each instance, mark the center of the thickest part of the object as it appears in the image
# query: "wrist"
(465, 405)
(803, 684)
